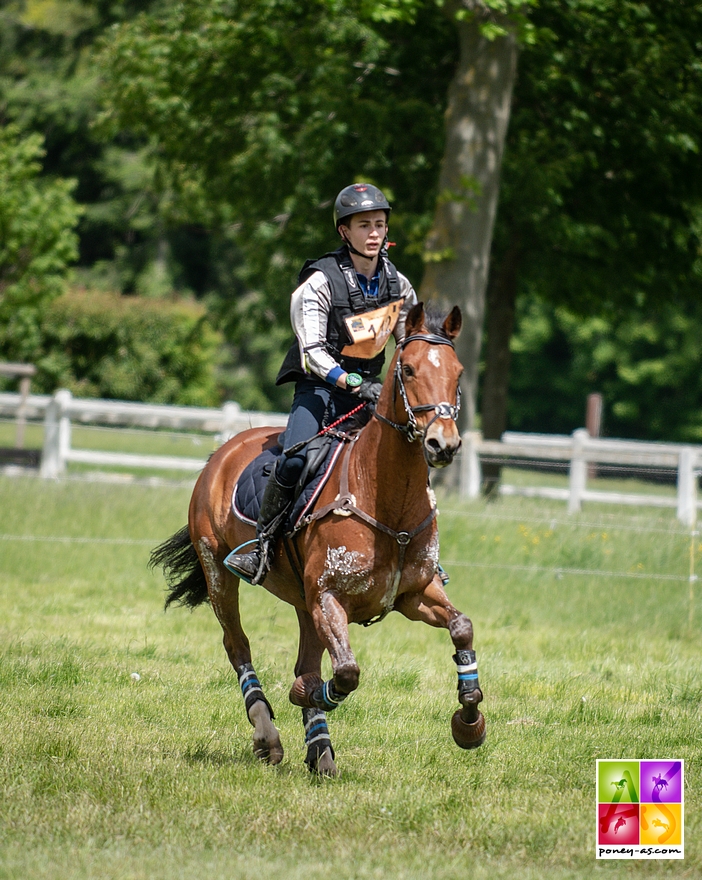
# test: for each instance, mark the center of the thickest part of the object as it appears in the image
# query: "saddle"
(322, 455)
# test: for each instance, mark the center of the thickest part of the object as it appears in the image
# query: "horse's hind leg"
(432, 606)
(223, 589)
(320, 753)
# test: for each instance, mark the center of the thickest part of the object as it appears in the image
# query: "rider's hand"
(370, 390)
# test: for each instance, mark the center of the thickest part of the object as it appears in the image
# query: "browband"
(431, 338)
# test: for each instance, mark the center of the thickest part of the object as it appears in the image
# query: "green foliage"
(37, 241)
(48, 86)
(599, 211)
(647, 366)
(262, 111)
(602, 178)
(129, 348)
(258, 113)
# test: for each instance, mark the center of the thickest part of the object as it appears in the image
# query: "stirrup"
(250, 567)
(444, 575)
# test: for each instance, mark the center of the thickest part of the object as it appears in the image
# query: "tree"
(37, 242)
(457, 250)
(602, 179)
(646, 364)
(258, 112)
(48, 86)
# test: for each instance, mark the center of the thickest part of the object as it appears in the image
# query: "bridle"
(443, 410)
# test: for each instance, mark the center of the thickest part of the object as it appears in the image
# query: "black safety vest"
(347, 299)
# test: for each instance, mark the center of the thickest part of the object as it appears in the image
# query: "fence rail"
(577, 452)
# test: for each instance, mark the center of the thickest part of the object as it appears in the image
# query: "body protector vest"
(359, 326)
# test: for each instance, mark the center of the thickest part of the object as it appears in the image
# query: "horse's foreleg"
(332, 628)
(432, 606)
(223, 588)
(320, 752)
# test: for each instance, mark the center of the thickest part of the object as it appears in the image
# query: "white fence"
(61, 410)
(577, 452)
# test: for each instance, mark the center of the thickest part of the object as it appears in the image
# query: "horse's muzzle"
(441, 444)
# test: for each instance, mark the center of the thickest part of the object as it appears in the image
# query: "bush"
(37, 241)
(129, 348)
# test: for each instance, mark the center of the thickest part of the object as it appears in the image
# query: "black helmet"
(356, 199)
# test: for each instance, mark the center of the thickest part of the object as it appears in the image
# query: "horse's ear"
(453, 323)
(415, 319)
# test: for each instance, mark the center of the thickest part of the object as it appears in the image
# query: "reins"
(301, 445)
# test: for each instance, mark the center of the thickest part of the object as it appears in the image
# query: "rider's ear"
(453, 323)
(415, 319)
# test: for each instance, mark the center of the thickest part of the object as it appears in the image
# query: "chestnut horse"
(369, 547)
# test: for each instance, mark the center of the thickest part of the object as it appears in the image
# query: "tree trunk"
(501, 299)
(458, 247)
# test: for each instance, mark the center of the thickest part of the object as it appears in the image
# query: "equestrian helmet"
(356, 199)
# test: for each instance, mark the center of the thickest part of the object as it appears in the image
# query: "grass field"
(104, 777)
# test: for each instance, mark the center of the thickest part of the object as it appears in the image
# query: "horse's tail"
(182, 569)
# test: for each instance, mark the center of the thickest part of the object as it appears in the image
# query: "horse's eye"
(407, 370)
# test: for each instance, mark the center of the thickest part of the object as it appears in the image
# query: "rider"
(343, 312)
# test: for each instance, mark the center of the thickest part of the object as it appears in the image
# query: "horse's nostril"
(434, 445)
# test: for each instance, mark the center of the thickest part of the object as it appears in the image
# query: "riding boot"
(254, 566)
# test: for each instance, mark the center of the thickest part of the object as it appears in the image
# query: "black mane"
(434, 318)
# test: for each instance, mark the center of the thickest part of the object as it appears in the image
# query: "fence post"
(578, 471)
(470, 465)
(25, 384)
(64, 431)
(57, 435)
(50, 452)
(231, 418)
(687, 487)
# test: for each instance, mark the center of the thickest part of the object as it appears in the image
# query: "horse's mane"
(434, 317)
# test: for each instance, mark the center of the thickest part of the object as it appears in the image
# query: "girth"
(345, 505)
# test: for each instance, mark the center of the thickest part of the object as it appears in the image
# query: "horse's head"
(426, 395)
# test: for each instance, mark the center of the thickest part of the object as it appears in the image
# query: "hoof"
(325, 766)
(465, 735)
(266, 738)
(268, 752)
(303, 688)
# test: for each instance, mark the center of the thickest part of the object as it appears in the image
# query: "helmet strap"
(383, 247)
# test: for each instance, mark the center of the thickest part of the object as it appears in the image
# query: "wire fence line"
(613, 523)
(560, 571)
(556, 571)
(71, 539)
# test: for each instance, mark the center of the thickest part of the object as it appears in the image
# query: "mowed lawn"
(106, 777)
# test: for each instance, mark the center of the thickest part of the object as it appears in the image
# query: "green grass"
(104, 777)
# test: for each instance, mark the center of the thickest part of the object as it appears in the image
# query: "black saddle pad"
(248, 492)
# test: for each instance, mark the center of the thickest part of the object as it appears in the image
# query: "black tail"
(182, 569)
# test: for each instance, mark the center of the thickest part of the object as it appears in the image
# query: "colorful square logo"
(640, 809)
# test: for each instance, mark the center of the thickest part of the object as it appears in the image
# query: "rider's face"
(366, 232)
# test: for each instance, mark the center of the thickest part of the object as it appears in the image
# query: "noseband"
(441, 410)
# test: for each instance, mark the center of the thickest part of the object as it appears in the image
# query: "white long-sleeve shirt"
(309, 313)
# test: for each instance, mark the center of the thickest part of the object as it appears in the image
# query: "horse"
(369, 547)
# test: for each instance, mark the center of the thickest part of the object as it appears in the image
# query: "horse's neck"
(388, 475)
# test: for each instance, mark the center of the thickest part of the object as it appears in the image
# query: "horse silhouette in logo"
(621, 821)
(658, 824)
(619, 785)
(659, 783)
